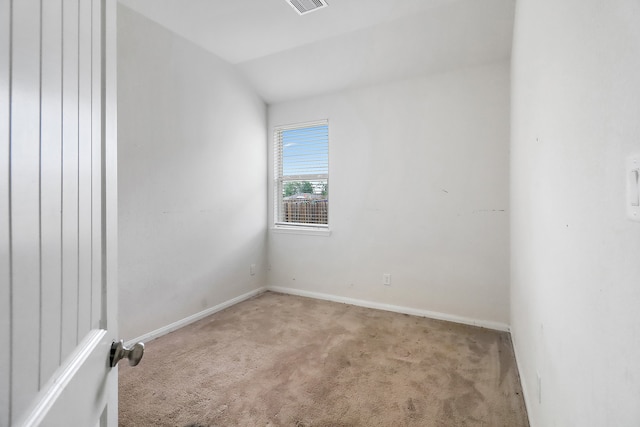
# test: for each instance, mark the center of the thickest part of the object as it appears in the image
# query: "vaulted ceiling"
(349, 44)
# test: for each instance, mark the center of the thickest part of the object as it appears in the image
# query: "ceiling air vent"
(305, 6)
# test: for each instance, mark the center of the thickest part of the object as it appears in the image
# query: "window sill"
(305, 231)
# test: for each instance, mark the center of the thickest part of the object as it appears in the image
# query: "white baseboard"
(194, 317)
(488, 324)
(528, 403)
(317, 295)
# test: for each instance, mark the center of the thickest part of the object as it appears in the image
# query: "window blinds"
(302, 173)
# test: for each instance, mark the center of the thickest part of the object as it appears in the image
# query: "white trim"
(488, 324)
(194, 317)
(301, 125)
(307, 231)
(327, 297)
(522, 379)
(61, 379)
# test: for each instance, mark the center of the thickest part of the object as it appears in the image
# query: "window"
(301, 193)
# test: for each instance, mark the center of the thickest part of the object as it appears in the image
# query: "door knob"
(119, 352)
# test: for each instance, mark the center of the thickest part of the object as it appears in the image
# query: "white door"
(58, 212)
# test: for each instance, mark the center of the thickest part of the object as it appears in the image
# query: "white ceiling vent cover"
(306, 6)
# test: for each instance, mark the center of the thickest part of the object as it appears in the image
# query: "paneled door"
(58, 212)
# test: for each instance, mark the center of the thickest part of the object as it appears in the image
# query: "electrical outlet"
(252, 269)
(386, 279)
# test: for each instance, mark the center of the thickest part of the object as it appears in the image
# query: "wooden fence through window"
(305, 211)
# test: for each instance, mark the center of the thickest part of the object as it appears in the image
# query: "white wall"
(418, 189)
(192, 171)
(575, 257)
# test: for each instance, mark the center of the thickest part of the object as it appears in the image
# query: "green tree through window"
(297, 187)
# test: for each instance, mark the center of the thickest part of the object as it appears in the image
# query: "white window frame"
(280, 179)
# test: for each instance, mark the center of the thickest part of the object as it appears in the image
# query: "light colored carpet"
(281, 360)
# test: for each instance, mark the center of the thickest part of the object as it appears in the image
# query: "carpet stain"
(282, 360)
